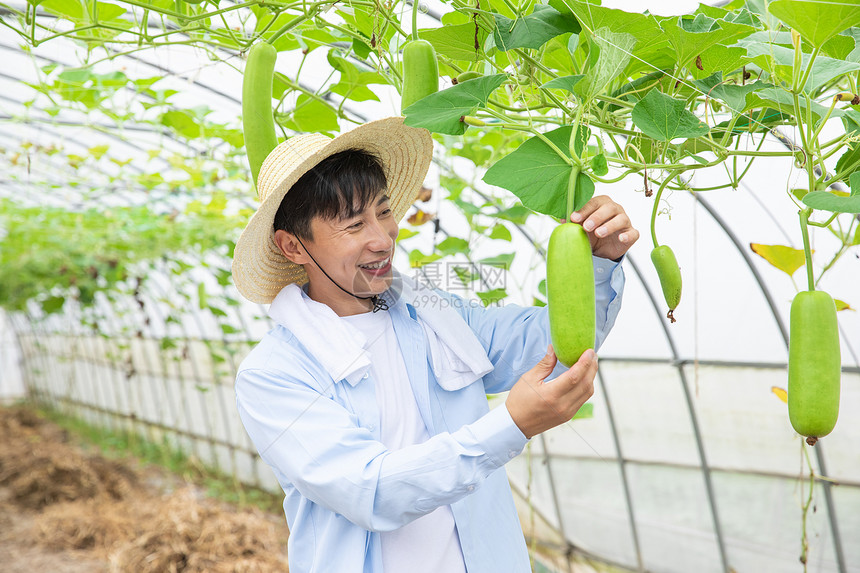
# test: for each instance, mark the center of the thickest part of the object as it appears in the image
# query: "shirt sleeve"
(516, 337)
(316, 445)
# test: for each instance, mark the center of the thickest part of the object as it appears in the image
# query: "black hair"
(340, 186)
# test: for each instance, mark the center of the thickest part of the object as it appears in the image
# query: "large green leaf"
(664, 118)
(779, 61)
(441, 112)
(564, 83)
(848, 162)
(828, 201)
(534, 30)
(311, 115)
(783, 101)
(81, 11)
(733, 95)
(539, 176)
(609, 55)
(815, 20)
(353, 83)
(693, 36)
(183, 123)
(720, 59)
(650, 51)
(456, 42)
(557, 55)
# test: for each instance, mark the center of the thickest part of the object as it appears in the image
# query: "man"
(368, 399)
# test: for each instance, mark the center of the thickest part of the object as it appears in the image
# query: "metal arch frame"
(706, 470)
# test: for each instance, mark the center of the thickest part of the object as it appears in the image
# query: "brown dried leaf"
(420, 217)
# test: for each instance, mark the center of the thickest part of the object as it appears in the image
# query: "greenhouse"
(132, 133)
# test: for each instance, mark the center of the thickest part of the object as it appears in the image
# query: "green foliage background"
(646, 95)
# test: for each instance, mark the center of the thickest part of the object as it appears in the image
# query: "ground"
(67, 509)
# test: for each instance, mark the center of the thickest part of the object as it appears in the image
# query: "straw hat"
(260, 270)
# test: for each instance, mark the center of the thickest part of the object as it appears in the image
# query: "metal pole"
(706, 470)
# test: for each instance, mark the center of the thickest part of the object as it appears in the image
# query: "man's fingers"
(590, 207)
(543, 368)
(584, 369)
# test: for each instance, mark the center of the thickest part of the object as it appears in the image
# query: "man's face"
(355, 252)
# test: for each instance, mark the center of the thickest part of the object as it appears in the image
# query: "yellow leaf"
(842, 305)
(786, 259)
(780, 393)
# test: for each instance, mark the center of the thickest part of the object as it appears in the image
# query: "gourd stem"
(804, 228)
(656, 207)
(414, 19)
(571, 190)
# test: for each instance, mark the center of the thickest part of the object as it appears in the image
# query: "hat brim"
(259, 268)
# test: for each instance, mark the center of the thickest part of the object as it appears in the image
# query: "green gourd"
(420, 72)
(669, 274)
(570, 292)
(814, 365)
(466, 76)
(258, 123)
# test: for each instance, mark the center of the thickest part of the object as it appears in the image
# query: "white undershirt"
(430, 543)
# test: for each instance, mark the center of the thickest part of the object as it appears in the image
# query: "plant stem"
(571, 190)
(669, 177)
(804, 539)
(804, 229)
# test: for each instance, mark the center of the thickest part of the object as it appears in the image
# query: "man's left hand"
(608, 227)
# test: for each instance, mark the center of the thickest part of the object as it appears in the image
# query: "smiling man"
(368, 397)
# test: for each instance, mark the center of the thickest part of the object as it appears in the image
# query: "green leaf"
(664, 118)
(502, 261)
(182, 123)
(651, 50)
(441, 112)
(786, 259)
(312, 115)
(418, 259)
(534, 30)
(516, 214)
(353, 83)
(229, 328)
(557, 55)
(405, 233)
(726, 59)
(453, 245)
(493, 296)
(605, 63)
(98, 151)
(599, 165)
(827, 201)
(817, 21)
(563, 83)
(779, 61)
(693, 36)
(734, 96)
(848, 162)
(456, 42)
(202, 296)
(782, 101)
(539, 176)
(585, 411)
(499, 231)
(52, 304)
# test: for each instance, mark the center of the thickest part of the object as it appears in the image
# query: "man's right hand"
(536, 405)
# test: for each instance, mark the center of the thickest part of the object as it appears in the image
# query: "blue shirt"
(320, 436)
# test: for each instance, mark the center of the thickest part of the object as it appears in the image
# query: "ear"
(290, 247)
